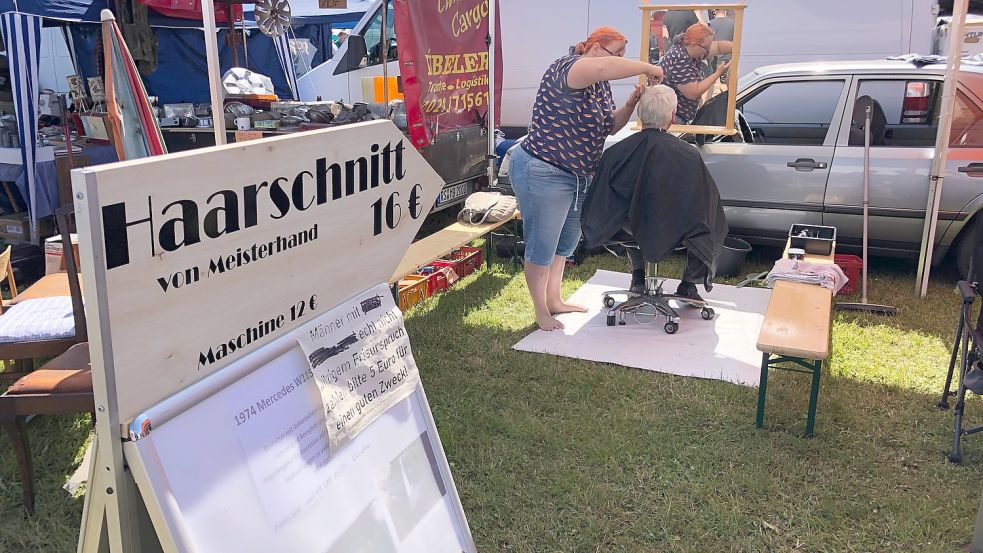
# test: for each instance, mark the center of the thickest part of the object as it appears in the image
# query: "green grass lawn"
(556, 454)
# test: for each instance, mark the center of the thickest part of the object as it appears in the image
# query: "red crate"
(436, 279)
(852, 266)
(469, 259)
(451, 265)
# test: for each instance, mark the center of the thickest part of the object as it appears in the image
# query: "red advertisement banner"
(443, 61)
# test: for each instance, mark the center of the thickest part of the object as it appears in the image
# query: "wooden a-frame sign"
(193, 261)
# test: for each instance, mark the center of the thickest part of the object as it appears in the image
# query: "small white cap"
(106, 15)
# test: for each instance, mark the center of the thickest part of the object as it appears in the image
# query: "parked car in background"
(798, 157)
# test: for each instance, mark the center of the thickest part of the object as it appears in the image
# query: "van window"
(373, 36)
(794, 112)
(967, 123)
(904, 113)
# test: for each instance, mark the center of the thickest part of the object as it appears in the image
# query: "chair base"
(646, 307)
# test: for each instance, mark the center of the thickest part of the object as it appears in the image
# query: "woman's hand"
(654, 74)
(636, 95)
(722, 68)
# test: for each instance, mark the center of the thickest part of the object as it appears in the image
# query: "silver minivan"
(799, 155)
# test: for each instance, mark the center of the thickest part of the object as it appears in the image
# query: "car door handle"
(806, 164)
(972, 168)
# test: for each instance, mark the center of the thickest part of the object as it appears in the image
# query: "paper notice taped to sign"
(362, 362)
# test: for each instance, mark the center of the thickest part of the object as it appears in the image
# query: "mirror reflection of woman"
(683, 66)
(550, 172)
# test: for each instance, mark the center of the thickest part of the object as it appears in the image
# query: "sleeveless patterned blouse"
(569, 125)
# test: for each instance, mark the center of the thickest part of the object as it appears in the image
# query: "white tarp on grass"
(722, 349)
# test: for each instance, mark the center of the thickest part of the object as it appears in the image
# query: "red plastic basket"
(436, 280)
(469, 259)
(852, 267)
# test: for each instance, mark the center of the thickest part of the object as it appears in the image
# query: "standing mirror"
(698, 46)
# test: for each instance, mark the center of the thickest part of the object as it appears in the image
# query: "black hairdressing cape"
(656, 186)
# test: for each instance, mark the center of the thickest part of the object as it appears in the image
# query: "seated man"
(657, 187)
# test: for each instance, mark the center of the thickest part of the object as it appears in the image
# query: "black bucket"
(732, 257)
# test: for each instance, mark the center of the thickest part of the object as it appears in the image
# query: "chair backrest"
(78, 309)
(7, 271)
(878, 122)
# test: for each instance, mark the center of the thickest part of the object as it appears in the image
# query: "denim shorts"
(549, 200)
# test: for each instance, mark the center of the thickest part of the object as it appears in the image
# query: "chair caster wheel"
(671, 328)
(610, 320)
(707, 313)
(955, 459)
(608, 301)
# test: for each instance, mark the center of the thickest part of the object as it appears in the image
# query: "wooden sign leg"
(111, 503)
(93, 536)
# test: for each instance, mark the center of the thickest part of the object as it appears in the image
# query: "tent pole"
(937, 176)
(214, 76)
(490, 114)
(384, 53)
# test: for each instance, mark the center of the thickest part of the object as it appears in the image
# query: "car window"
(904, 113)
(373, 36)
(795, 112)
(967, 123)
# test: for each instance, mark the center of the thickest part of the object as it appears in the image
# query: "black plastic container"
(732, 257)
(814, 239)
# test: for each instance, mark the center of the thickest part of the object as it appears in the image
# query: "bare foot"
(564, 307)
(547, 322)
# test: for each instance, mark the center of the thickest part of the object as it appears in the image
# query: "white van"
(536, 32)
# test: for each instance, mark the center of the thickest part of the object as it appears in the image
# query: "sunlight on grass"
(552, 454)
(886, 355)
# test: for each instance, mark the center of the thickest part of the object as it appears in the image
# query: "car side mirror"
(356, 53)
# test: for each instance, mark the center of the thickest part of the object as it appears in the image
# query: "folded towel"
(827, 275)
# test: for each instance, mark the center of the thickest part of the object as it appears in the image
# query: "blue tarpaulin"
(88, 11)
(181, 69)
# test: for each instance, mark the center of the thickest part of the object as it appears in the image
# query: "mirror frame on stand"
(728, 129)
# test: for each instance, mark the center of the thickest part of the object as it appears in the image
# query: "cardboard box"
(54, 261)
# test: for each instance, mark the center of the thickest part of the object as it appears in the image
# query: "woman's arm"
(695, 89)
(588, 71)
(719, 47)
(623, 114)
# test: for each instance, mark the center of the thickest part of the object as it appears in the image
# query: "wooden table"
(422, 252)
(50, 286)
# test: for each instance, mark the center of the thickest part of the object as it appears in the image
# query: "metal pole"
(492, 38)
(866, 261)
(384, 50)
(937, 176)
(214, 77)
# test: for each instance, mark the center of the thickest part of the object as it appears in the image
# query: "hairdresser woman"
(550, 172)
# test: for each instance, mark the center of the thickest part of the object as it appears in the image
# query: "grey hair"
(657, 106)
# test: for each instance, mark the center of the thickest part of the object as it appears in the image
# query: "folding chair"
(966, 348)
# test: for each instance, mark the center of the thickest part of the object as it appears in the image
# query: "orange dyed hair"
(696, 33)
(600, 35)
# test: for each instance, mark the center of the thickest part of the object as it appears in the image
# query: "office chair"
(647, 305)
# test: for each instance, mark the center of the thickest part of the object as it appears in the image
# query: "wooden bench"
(796, 331)
(424, 251)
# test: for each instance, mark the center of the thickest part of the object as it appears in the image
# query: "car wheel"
(964, 248)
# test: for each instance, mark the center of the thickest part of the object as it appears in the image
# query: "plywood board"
(194, 259)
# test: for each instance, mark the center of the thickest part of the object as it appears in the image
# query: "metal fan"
(272, 16)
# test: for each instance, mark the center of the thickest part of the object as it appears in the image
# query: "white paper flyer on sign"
(362, 361)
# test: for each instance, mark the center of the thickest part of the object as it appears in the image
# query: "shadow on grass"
(557, 454)
(57, 444)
